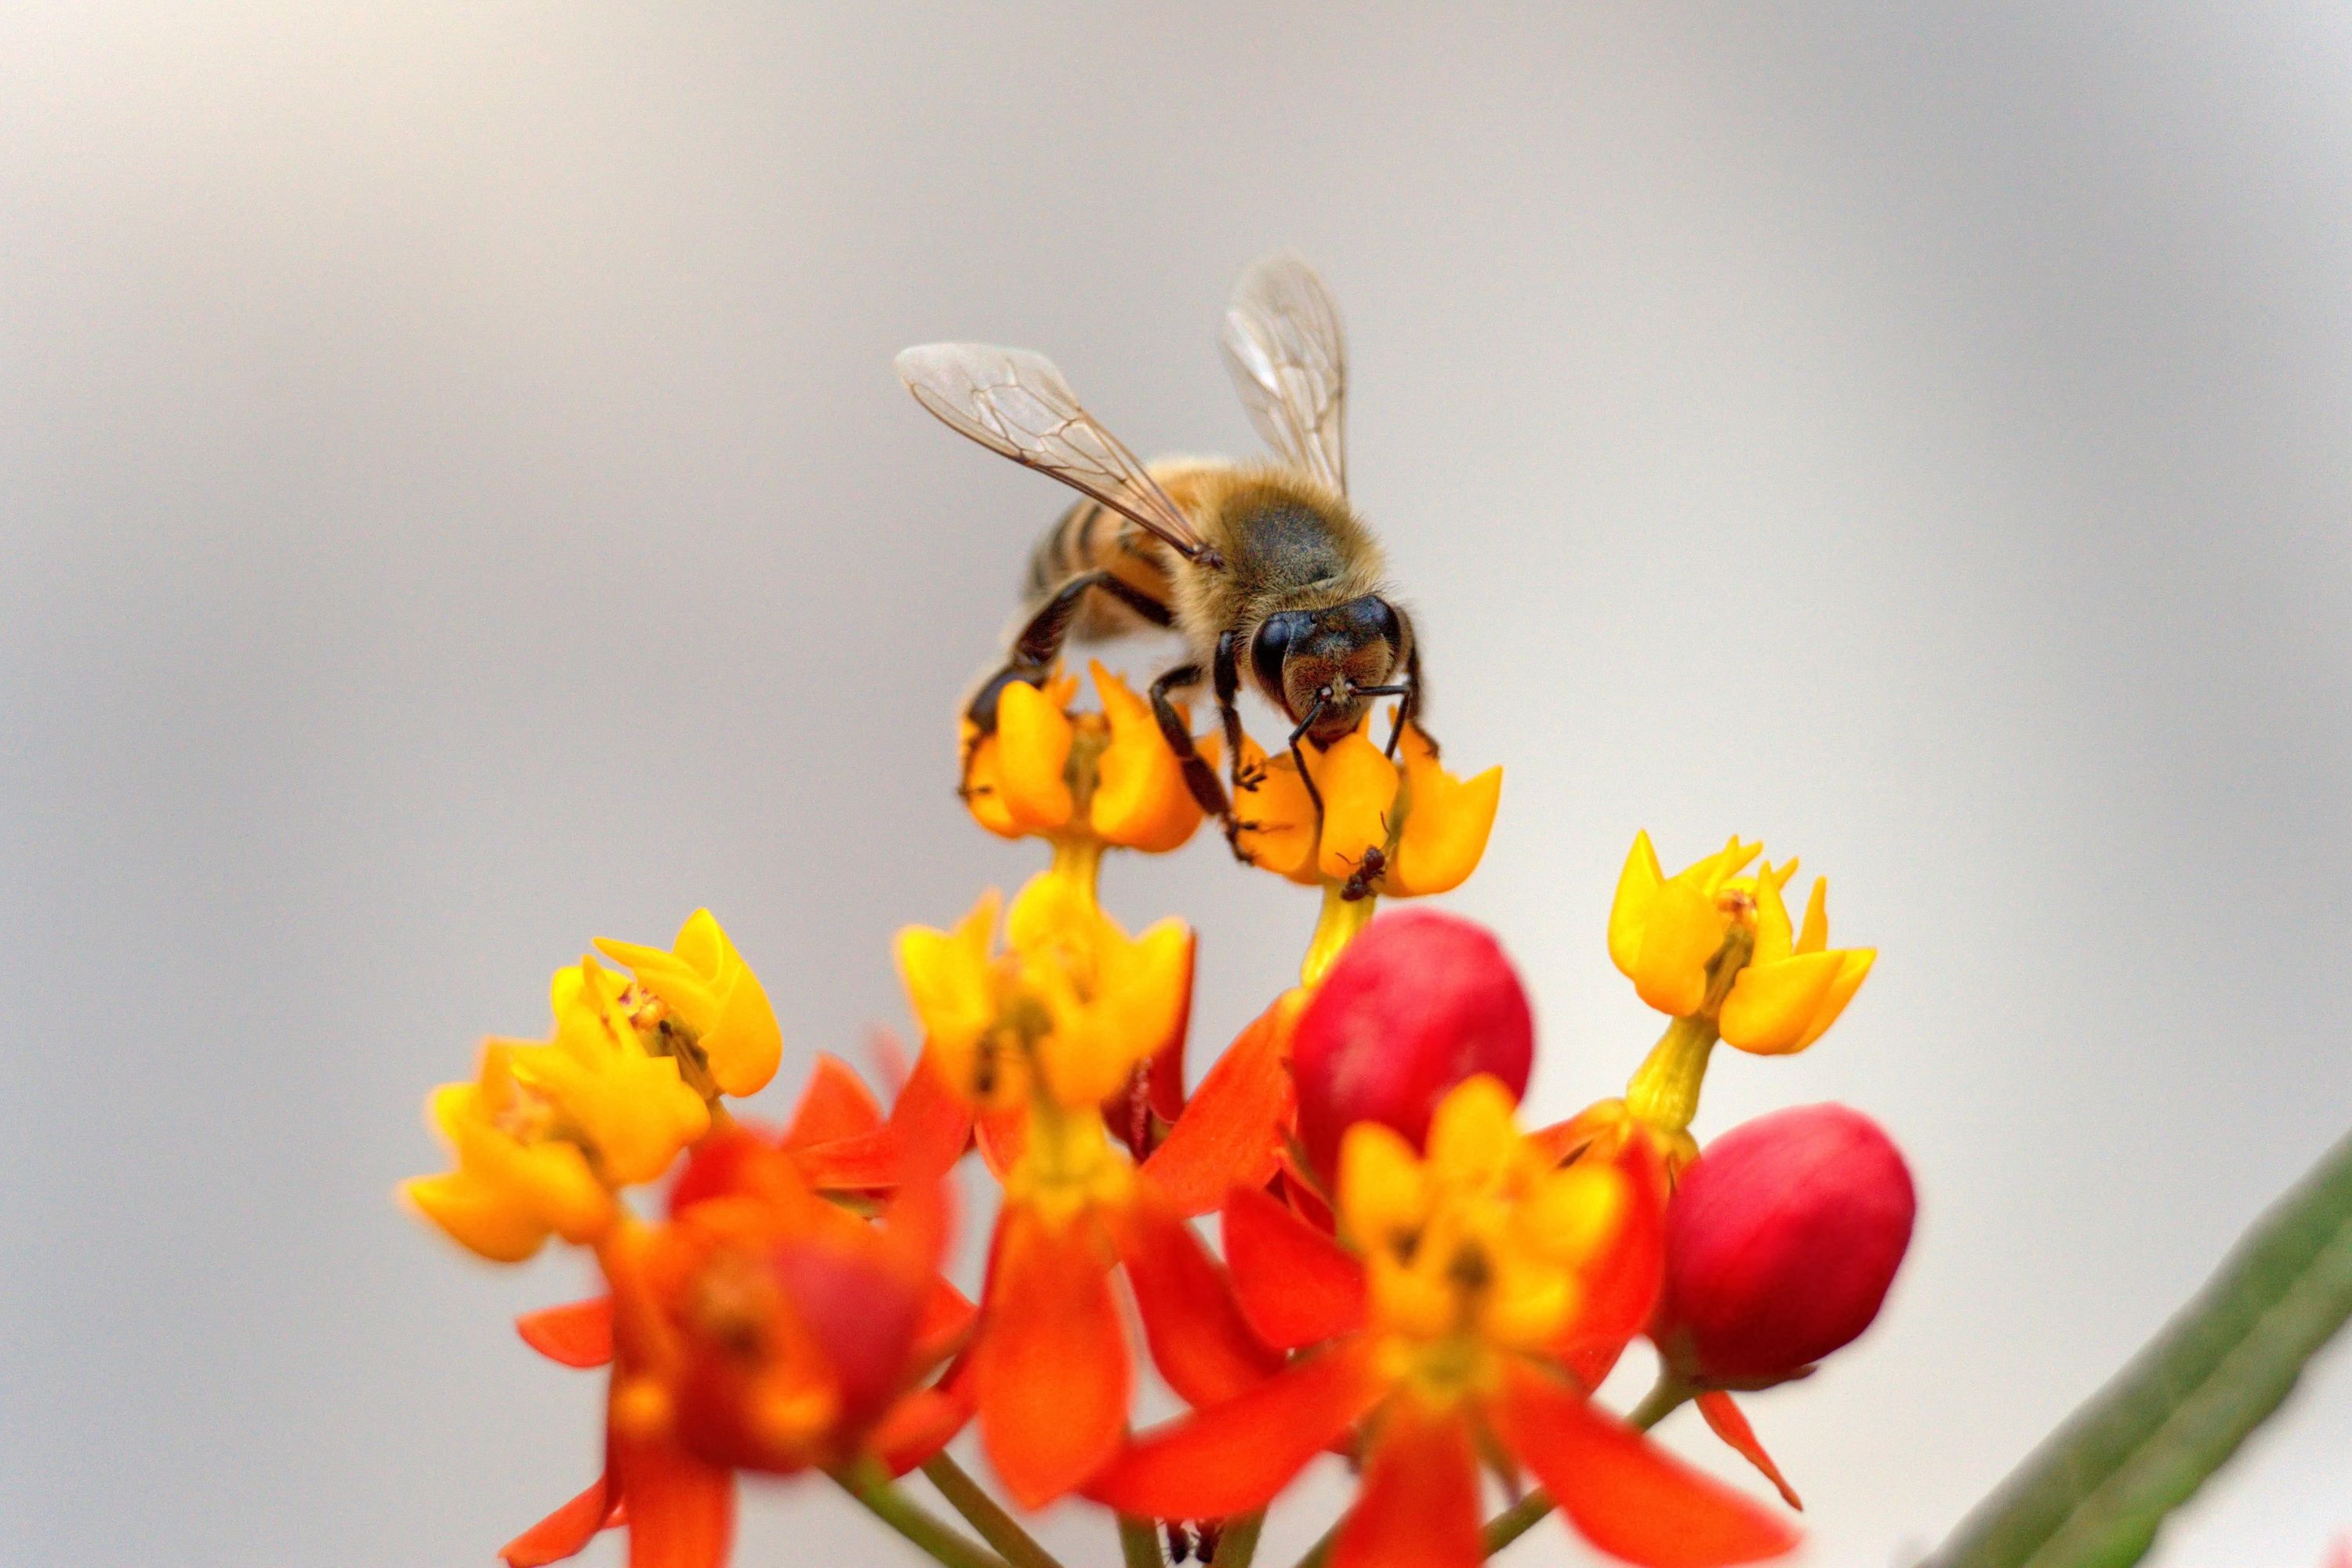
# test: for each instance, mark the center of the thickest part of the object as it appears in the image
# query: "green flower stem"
(1320, 1552)
(1664, 1396)
(986, 1515)
(870, 1485)
(1140, 1540)
(1238, 1544)
(1665, 1089)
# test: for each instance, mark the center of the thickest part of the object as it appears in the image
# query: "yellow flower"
(1791, 991)
(517, 1178)
(1109, 776)
(1067, 1010)
(1481, 1243)
(1711, 944)
(711, 993)
(548, 1132)
(631, 1109)
(1664, 933)
(1422, 829)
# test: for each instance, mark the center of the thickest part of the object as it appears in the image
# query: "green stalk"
(985, 1514)
(871, 1486)
(1238, 1544)
(1139, 1538)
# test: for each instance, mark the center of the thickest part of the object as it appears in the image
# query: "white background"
(454, 501)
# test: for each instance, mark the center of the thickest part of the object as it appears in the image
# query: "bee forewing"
(1289, 361)
(1014, 402)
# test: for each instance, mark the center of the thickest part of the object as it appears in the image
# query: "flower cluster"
(1407, 1277)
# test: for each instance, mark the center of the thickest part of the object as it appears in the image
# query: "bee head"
(1317, 660)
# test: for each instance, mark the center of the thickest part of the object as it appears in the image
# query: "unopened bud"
(1781, 1243)
(1418, 1003)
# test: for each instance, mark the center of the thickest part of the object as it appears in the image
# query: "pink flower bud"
(1781, 1243)
(1418, 1003)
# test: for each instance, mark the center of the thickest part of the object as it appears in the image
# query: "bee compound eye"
(1375, 616)
(1270, 648)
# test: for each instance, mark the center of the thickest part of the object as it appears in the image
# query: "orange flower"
(1400, 831)
(1052, 1371)
(1108, 777)
(1477, 1282)
(1036, 1039)
(761, 1328)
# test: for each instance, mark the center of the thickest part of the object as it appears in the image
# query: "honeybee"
(1263, 569)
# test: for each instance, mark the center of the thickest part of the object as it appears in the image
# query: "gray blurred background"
(454, 500)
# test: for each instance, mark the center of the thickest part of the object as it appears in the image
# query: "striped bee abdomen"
(1090, 537)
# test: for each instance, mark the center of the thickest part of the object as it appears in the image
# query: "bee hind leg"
(1040, 642)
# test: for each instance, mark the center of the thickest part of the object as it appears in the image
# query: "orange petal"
(1360, 794)
(1446, 823)
(1165, 1071)
(919, 1425)
(1281, 835)
(983, 791)
(928, 1131)
(1730, 1424)
(1305, 1196)
(1050, 1369)
(932, 1125)
(1199, 1339)
(1140, 799)
(1625, 1495)
(1419, 1506)
(837, 1104)
(567, 1532)
(1621, 1281)
(1296, 1286)
(579, 1334)
(681, 1509)
(1231, 1132)
(944, 1324)
(1033, 735)
(1002, 1137)
(1232, 1457)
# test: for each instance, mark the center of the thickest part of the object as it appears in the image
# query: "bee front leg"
(1408, 704)
(1227, 679)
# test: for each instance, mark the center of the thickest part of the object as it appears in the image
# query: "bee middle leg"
(1199, 776)
(1226, 679)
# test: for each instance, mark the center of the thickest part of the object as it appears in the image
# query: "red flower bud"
(1418, 1003)
(1781, 1243)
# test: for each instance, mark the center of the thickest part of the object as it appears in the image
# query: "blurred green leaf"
(2095, 1492)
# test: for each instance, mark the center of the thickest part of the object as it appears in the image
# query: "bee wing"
(1289, 361)
(1016, 403)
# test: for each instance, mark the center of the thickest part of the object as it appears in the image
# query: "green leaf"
(2099, 1489)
